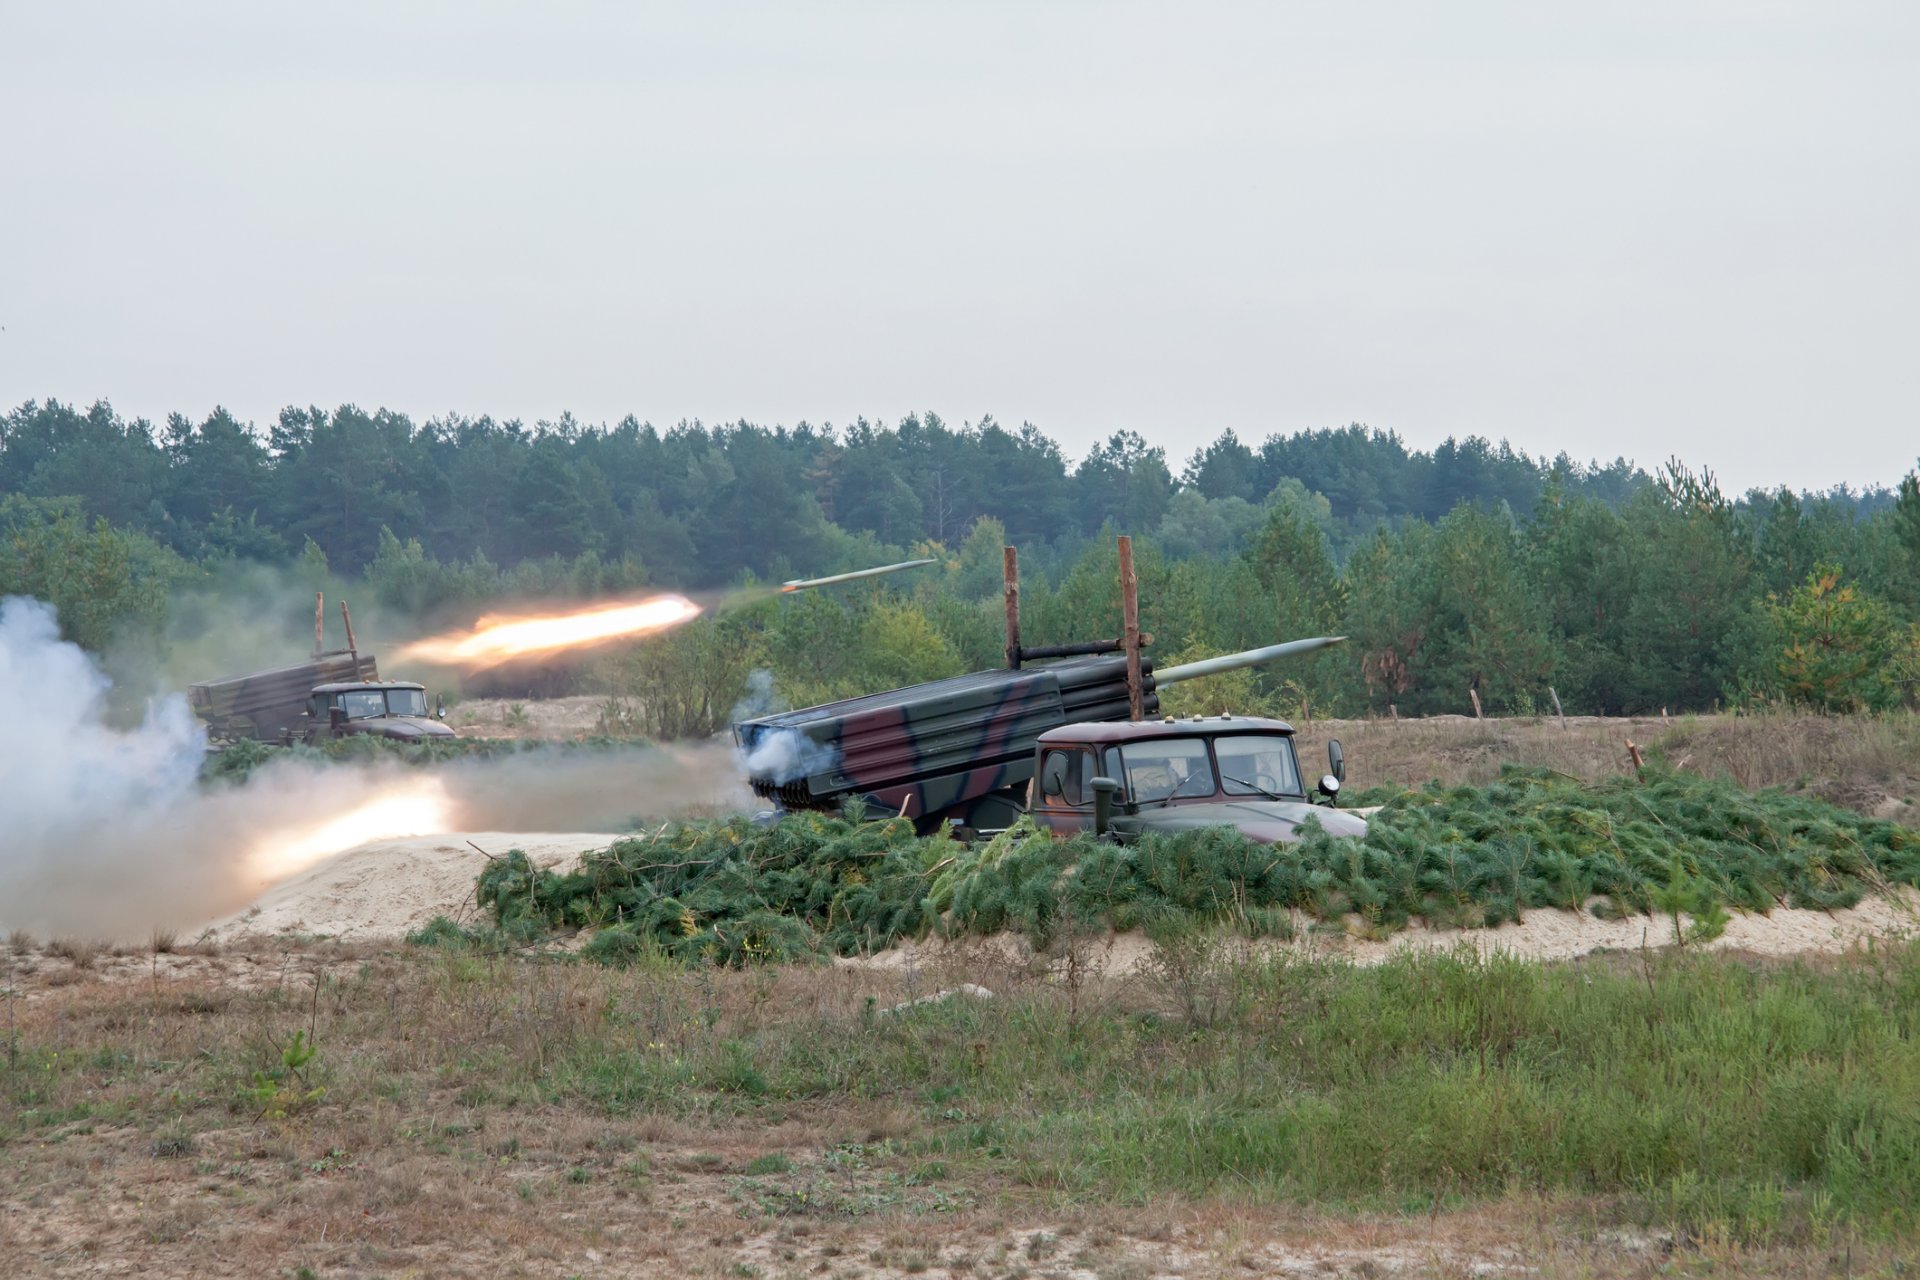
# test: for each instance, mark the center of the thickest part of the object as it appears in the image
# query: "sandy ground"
(1542, 935)
(388, 888)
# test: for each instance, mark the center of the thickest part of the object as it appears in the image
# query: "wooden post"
(1393, 711)
(1475, 695)
(1633, 754)
(1011, 564)
(319, 623)
(1556, 706)
(1130, 632)
(352, 646)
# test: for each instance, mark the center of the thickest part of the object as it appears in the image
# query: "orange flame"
(496, 639)
(414, 808)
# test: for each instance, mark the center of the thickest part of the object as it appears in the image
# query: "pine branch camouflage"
(734, 892)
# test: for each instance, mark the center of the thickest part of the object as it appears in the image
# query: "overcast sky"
(1639, 229)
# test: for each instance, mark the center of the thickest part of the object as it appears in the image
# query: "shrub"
(740, 892)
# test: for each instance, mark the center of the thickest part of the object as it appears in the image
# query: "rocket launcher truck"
(966, 751)
(336, 693)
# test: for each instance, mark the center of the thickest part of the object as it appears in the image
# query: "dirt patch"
(253, 1201)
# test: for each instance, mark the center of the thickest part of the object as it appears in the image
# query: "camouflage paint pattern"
(934, 751)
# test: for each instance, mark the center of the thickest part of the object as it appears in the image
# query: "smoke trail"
(595, 791)
(108, 834)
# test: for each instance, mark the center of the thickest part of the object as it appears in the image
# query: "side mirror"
(1103, 793)
(1053, 775)
(1337, 760)
(1330, 788)
(439, 706)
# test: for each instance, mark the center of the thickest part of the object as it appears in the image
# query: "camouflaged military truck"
(1130, 778)
(336, 693)
(965, 753)
(333, 696)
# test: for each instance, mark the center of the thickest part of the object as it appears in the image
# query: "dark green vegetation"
(1469, 569)
(1676, 845)
(1776, 1105)
(698, 505)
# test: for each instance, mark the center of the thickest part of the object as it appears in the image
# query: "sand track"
(1544, 935)
(388, 888)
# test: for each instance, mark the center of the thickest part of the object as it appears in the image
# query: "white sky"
(1640, 228)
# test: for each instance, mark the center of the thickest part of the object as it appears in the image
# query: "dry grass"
(452, 1140)
(557, 718)
(1869, 764)
(78, 952)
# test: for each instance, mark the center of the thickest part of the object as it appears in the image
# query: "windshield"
(1163, 767)
(407, 702)
(1253, 763)
(364, 704)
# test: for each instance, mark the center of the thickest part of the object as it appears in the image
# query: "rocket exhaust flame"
(414, 808)
(495, 639)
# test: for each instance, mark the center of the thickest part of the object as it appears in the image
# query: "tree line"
(699, 505)
(1470, 570)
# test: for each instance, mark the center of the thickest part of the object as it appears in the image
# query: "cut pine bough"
(1668, 845)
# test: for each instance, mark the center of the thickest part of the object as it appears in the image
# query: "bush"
(739, 892)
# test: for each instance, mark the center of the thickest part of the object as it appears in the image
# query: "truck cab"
(385, 708)
(1128, 778)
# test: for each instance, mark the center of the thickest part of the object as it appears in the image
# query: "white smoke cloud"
(787, 755)
(61, 768)
(780, 755)
(108, 833)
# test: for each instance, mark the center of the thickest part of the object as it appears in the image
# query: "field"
(301, 1105)
(1869, 765)
(365, 1112)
